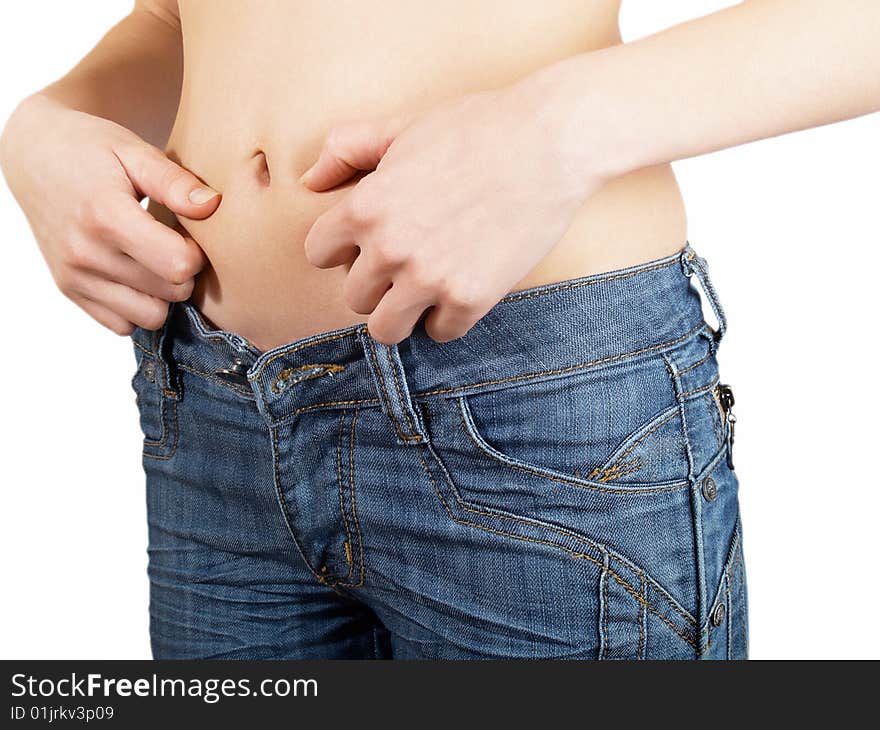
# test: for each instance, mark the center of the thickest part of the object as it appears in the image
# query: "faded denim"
(555, 484)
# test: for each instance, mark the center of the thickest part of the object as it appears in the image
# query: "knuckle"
(154, 316)
(462, 295)
(364, 206)
(64, 280)
(387, 254)
(180, 270)
(426, 277)
(93, 217)
(123, 329)
(173, 177)
(77, 253)
(181, 292)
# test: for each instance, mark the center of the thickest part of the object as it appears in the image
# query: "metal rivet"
(710, 490)
(150, 371)
(718, 615)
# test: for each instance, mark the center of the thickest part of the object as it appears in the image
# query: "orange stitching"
(357, 524)
(613, 474)
(694, 364)
(574, 536)
(341, 497)
(642, 438)
(603, 475)
(144, 349)
(290, 351)
(387, 399)
(288, 373)
(161, 444)
(701, 389)
(560, 478)
(273, 433)
(589, 282)
(567, 369)
(400, 396)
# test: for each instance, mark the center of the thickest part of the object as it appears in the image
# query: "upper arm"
(166, 10)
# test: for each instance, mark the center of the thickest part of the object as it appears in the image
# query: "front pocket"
(635, 616)
(620, 426)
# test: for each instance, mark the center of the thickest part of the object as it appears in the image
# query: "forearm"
(132, 76)
(756, 70)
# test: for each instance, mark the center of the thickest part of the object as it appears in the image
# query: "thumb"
(350, 149)
(154, 175)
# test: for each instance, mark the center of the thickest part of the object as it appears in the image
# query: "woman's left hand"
(463, 202)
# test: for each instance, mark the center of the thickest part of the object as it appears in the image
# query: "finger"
(174, 257)
(396, 315)
(153, 174)
(365, 285)
(449, 321)
(352, 148)
(129, 272)
(122, 268)
(133, 306)
(330, 241)
(104, 316)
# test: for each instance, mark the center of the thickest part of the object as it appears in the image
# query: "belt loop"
(389, 379)
(691, 263)
(162, 344)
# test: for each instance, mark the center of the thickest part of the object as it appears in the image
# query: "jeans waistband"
(547, 331)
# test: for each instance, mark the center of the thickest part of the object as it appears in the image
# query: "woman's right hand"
(79, 179)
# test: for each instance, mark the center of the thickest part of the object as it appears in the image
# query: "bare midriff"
(264, 82)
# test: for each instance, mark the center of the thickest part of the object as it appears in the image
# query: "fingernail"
(200, 196)
(305, 176)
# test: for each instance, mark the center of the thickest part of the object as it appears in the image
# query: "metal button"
(710, 490)
(235, 373)
(149, 370)
(718, 615)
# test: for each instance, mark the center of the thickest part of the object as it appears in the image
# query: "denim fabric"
(554, 484)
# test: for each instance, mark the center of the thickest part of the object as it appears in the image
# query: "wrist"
(586, 124)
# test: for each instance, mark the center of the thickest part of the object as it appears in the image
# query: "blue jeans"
(555, 484)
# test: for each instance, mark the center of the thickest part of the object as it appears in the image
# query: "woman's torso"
(273, 77)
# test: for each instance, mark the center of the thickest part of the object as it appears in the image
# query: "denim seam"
(483, 447)
(173, 426)
(643, 617)
(315, 406)
(353, 506)
(341, 497)
(711, 407)
(284, 508)
(412, 429)
(729, 617)
(603, 608)
(566, 369)
(573, 553)
(144, 349)
(695, 365)
(552, 528)
(590, 281)
(614, 464)
(695, 496)
(289, 351)
(388, 406)
(730, 560)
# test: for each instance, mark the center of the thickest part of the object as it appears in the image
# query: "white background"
(790, 228)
